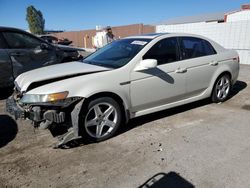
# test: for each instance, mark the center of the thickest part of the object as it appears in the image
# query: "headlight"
(30, 98)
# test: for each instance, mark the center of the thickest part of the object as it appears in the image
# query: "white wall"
(239, 16)
(231, 35)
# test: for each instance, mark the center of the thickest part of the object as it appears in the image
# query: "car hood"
(54, 73)
(68, 48)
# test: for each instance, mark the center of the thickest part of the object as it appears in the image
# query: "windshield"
(117, 53)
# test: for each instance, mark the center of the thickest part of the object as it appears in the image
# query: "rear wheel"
(221, 89)
(101, 119)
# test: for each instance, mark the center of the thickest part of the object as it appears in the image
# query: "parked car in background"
(55, 40)
(21, 51)
(64, 41)
(128, 78)
(49, 38)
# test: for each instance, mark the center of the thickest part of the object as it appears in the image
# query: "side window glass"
(192, 47)
(2, 42)
(20, 40)
(164, 51)
(209, 49)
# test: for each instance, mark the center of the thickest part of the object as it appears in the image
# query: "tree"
(35, 20)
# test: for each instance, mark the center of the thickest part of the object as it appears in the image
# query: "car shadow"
(8, 130)
(163, 114)
(169, 180)
(5, 92)
(139, 121)
(238, 86)
(160, 74)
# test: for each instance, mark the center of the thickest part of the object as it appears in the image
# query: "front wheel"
(221, 89)
(101, 119)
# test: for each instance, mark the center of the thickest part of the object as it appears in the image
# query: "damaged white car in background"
(131, 77)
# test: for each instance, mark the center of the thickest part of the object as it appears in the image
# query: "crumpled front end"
(59, 114)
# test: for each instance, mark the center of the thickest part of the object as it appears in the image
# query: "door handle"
(214, 63)
(17, 54)
(181, 70)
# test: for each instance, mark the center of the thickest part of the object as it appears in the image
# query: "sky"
(71, 15)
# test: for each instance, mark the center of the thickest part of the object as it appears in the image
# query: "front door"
(161, 85)
(6, 77)
(26, 53)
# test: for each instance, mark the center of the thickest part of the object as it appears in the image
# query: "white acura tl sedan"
(128, 78)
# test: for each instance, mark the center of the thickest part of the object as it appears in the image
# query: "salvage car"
(55, 40)
(49, 38)
(21, 51)
(128, 78)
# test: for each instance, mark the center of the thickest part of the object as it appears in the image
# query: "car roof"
(148, 36)
(12, 29)
(2, 28)
(156, 35)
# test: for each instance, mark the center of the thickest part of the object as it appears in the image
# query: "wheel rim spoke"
(224, 94)
(99, 129)
(108, 112)
(97, 111)
(110, 123)
(221, 82)
(219, 94)
(223, 87)
(226, 85)
(91, 123)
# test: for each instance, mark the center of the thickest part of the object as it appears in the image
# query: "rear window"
(192, 47)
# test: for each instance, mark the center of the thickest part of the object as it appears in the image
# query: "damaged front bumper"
(14, 109)
(59, 115)
(36, 112)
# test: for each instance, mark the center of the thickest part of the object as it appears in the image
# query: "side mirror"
(45, 46)
(146, 64)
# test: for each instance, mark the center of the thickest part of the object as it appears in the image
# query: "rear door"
(26, 53)
(199, 58)
(6, 77)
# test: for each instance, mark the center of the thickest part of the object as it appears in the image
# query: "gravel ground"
(196, 145)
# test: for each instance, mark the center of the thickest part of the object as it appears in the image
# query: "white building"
(231, 30)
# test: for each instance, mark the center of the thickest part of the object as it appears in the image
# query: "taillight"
(237, 59)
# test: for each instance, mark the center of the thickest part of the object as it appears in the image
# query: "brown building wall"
(84, 38)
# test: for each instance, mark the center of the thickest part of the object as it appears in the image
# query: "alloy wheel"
(100, 120)
(222, 88)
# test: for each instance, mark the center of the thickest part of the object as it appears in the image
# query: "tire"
(221, 89)
(100, 119)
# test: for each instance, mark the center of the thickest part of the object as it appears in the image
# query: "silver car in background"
(128, 78)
